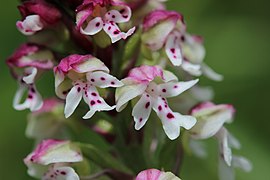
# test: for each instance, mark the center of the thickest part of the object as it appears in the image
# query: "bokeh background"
(237, 39)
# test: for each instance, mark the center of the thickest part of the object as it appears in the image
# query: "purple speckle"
(113, 16)
(92, 102)
(63, 172)
(147, 105)
(140, 119)
(79, 89)
(30, 96)
(102, 78)
(175, 86)
(94, 94)
(113, 83)
(99, 101)
(97, 25)
(93, 80)
(159, 108)
(173, 50)
(170, 116)
(164, 90)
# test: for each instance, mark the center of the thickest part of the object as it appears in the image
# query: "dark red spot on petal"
(113, 83)
(170, 116)
(166, 106)
(33, 90)
(164, 90)
(93, 80)
(79, 89)
(97, 24)
(99, 101)
(183, 38)
(159, 108)
(94, 94)
(175, 86)
(63, 172)
(102, 78)
(122, 11)
(174, 57)
(92, 102)
(113, 16)
(116, 32)
(147, 95)
(109, 28)
(147, 105)
(125, 16)
(30, 96)
(140, 119)
(173, 50)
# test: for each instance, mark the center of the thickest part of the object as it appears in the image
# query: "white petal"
(141, 111)
(31, 74)
(95, 102)
(33, 101)
(193, 69)
(30, 25)
(233, 142)
(202, 94)
(173, 50)
(116, 16)
(169, 76)
(242, 163)
(72, 100)
(171, 121)
(61, 173)
(210, 73)
(115, 33)
(126, 93)
(93, 27)
(172, 89)
(225, 150)
(103, 80)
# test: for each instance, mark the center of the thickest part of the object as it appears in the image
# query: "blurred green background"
(237, 40)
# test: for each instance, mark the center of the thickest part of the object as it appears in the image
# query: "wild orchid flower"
(36, 17)
(211, 119)
(77, 77)
(47, 122)
(144, 81)
(53, 160)
(95, 15)
(167, 30)
(155, 174)
(26, 63)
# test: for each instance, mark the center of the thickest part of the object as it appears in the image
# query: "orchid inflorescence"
(123, 59)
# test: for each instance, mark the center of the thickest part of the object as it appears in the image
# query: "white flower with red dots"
(93, 16)
(143, 81)
(52, 160)
(76, 78)
(26, 64)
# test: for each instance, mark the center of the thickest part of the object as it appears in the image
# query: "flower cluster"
(123, 59)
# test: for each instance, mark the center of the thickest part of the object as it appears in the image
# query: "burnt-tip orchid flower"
(27, 62)
(53, 160)
(77, 77)
(48, 121)
(155, 174)
(210, 121)
(35, 16)
(164, 30)
(154, 85)
(210, 118)
(95, 15)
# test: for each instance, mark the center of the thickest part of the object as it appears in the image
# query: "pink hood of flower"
(17, 59)
(207, 105)
(145, 73)
(48, 105)
(43, 148)
(71, 61)
(160, 15)
(41, 8)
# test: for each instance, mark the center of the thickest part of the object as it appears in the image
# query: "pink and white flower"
(28, 61)
(155, 174)
(77, 77)
(167, 30)
(210, 121)
(35, 16)
(95, 15)
(143, 81)
(53, 160)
